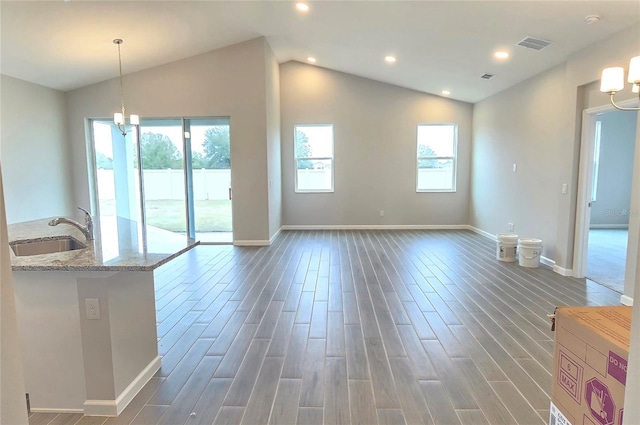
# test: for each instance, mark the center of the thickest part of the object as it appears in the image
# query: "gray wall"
(34, 152)
(272, 76)
(546, 140)
(226, 82)
(617, 145)
(375, 127)
(526, 135)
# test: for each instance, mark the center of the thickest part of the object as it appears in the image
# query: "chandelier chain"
(121, 86)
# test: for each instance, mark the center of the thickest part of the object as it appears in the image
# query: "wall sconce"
(119, 118)
(612, 81)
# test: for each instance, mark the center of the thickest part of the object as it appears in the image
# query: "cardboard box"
(590, 365)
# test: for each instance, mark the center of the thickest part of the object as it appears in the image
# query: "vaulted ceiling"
(439, 45)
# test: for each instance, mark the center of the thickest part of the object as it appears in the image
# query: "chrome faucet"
(87, 229)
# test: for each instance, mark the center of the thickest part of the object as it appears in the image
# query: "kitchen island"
(86, 317)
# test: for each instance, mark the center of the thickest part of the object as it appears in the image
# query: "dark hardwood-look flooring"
(352, 327)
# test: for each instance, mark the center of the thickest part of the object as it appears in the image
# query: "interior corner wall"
(34, 151)
(611, 208)
(274, 155)
(375, 128)
(13, 406)
(525, 136)
(229, 82)
(548, 110)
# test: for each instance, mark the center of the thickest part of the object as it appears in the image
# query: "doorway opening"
(178, 178)
(604, 197)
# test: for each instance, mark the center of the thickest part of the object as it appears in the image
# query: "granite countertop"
(120, 245)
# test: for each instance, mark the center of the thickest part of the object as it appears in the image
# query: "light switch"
(515, 167)
(564, 188)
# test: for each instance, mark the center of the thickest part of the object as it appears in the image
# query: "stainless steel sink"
(46, 247)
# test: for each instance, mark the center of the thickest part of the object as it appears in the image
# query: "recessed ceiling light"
(390, 59)
(311, 59)
(302, 7)
(501, 54)
(446, 92)
(592, 19)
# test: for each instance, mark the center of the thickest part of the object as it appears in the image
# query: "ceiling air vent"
(533, 43)
(487, 76)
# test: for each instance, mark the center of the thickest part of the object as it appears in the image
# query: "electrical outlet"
(564, 188)
(92, 306)
(381, 213)
(511, 227)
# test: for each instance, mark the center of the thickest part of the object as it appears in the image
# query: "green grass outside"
(211, 216)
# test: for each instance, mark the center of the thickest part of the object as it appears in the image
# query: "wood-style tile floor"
(352, 327)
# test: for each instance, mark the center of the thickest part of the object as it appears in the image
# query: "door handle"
(229, 193)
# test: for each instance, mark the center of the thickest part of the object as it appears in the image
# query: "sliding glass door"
(184, 185)
(116, 180)
(163, 171)
(211, 178)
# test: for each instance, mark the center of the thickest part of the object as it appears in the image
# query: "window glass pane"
(314, 175)
(116, 170)
(436, 178)
(163, 173)
(210, 145)
(314, 158)
(436, 157)
(314, 141)
(436, 140)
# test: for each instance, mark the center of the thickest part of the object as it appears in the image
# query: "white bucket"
(506, 247)
(530, 250)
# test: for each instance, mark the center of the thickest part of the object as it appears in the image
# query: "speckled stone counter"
(119, 245)
(76, 357)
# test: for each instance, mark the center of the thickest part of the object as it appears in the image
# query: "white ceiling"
(439, 44)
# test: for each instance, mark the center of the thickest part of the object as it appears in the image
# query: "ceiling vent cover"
(487, 76)
(533, 43)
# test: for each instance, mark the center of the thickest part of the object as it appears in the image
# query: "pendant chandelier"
(119, 118)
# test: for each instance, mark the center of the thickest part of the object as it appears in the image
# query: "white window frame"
(453, 158)
(296, 159)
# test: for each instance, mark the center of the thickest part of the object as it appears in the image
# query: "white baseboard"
(562, 271)
(376, 227)
(483, 233)
(275, 235)
(547, 261)
(115, 407)
(45, 410)
(252, 243)
(626, 300)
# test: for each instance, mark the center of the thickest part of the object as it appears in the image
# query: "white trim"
(332, 159)
(608, 226)
(275, 235)
(626, 300)
(547, 261)
(376, 227)
(46, 410)
(483, 233)
(257, 242)
(585, 182)
(115, 407)
(562, 271)
(584, 189)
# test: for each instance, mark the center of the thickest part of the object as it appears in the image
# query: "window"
(436, 165)
(314, 157)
